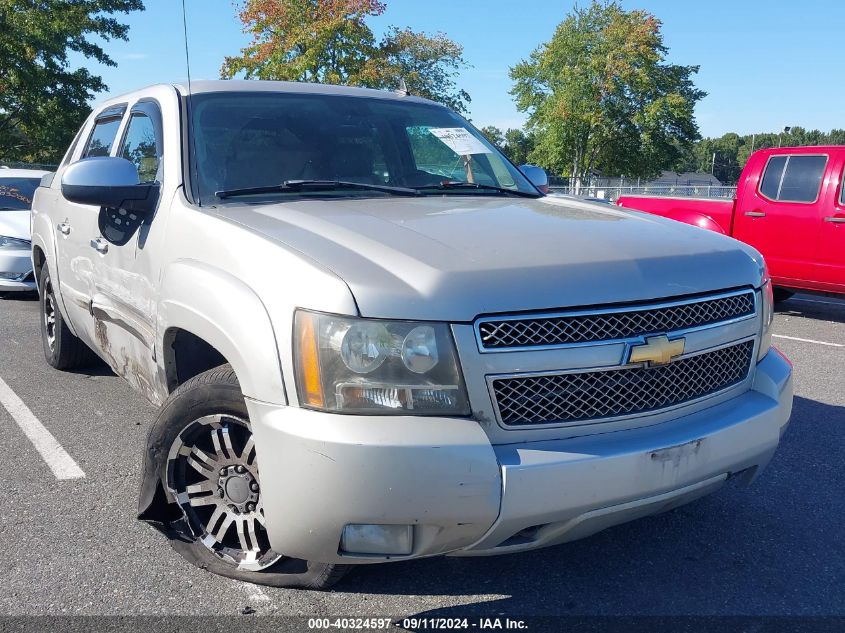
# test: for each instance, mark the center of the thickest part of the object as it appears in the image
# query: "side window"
(793, 178)
(140, 146)
(102, 137)
(802, 178)
(771, 177)
(842, 188)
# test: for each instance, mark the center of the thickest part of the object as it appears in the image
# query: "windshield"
(253, 140)
(16, 193)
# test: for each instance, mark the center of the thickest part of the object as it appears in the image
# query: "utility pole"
(713, 165)
(753, 139)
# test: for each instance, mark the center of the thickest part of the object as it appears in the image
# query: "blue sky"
(764, 64)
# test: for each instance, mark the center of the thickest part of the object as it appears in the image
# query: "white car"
(17, 186)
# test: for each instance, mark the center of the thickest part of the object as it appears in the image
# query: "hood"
(452, 258)
(15, 224)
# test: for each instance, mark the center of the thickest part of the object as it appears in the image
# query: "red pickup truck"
(789, 205)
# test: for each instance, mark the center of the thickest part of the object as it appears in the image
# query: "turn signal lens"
(767, 317)
(309, 361)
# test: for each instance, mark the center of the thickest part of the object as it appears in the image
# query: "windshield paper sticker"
(460, 140)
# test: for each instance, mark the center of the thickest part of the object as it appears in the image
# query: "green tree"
(494, 135)
(600, 96)
(43, 99)
(428, 64)
(325, 41)
(519, 145)
(726, 155)
(515, 143)
(329, 41)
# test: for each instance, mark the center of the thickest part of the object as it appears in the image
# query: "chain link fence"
(686, 191)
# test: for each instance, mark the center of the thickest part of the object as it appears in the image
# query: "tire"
(203, 449)
(782, 294)
(62, 349)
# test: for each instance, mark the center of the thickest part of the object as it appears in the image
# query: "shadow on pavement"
(806, 306)
(18, 296)
(769, 548)
(97, 367)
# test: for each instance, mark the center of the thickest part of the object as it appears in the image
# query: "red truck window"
(793, 178)
(842, 189)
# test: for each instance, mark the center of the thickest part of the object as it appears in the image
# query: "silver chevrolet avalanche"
(373, 339)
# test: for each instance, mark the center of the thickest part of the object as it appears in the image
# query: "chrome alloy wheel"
(50, 315)
(213, 475)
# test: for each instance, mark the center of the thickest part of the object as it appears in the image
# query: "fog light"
(393, 540)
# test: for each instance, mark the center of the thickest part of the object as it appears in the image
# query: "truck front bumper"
(463, 496)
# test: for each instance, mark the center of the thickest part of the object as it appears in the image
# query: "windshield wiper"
(459, 184)
(316, 185)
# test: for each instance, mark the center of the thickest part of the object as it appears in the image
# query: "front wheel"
(62, 349)
(211, 473)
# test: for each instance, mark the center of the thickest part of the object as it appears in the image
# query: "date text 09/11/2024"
(416, 624)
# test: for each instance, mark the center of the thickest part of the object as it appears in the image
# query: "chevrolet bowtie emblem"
(658, 350)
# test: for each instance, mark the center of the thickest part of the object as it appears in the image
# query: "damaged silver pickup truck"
(373, 338)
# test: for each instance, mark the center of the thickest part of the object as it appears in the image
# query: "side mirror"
(106, 181)
(537, 176)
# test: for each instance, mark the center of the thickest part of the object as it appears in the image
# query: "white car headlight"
(768, 315)
(370, 366)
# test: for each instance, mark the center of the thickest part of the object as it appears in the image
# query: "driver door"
(75, 225)
(123, 302)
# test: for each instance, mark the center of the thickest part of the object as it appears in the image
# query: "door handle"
(100, 245)
(755, 214)
(64, 228)
(835, 219)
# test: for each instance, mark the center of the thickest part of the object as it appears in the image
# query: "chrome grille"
(498, 334)
(577, 397)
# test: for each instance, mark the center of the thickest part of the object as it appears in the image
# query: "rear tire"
(210, 475)
(782, 294)
(62, 349)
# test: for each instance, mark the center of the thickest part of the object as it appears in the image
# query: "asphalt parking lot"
(74, 547)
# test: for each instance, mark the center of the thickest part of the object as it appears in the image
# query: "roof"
(802, 149)
(204, 86)
(22, 173)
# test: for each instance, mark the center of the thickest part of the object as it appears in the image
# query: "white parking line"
(51, 451)
(807, 340)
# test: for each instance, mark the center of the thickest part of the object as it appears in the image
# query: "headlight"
(371, 366)
(13, 243)
(768, 314)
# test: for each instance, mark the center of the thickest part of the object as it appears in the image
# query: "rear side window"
(102, 137)
(793, 178)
